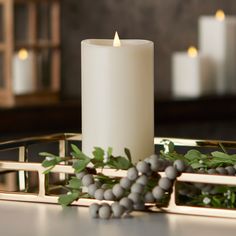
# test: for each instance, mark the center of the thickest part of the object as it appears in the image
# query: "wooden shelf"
(39, 45)
(41, 119)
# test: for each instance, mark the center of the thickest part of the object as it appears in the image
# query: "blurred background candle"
(22, 72)
(191, 74)
(118, 96)
(217, 38)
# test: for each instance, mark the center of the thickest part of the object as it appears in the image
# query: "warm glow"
(23, 54)
(192, 52)
(220, 15)
(116, 41)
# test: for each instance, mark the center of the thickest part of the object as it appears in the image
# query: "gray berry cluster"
(190, 190)
(131, 192)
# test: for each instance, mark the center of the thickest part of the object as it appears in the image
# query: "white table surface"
(34, 219)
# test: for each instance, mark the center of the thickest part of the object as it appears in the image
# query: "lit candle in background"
(191, 74)
(118, 96)
(217, 38)
(23, 72)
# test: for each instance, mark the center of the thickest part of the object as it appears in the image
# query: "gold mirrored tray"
(22, 179)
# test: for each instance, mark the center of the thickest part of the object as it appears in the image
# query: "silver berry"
(125, 183)
(221, 170)
(143, 180)
(108, 195)
(127, 203)
(93, 210)
(179, 165)
(81, 174)
(87, 180)
(104, 212)
(118, 191)
(143, 167)
(99, 194)
(230, 170)
(171, 172)
(117, 209)
(105, 186)
(165, 183)
(140, 206)
(158, 193)
(148, 197)
(157, 164)
(135, 197)
(137, 188)
(132, 173)
(92, 188)
(212, 172)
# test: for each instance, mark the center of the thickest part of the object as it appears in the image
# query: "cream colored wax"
(118, 96)
(217, 37)
(23, 72)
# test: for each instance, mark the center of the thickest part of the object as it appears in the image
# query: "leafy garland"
(81, 162)
(189, 194)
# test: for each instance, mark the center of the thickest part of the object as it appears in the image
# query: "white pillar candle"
(118, 96)
(217, 37)
(191, 74)
(23, 72)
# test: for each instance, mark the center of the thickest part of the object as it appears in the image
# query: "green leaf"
(220, 162)
(78, 154)
(220, 155)
(216, 202)
(46, 154)
(80, 165)
(98, 154)
(171, 147)
(232, 198)
(197, 165)
(75, 148)
(52, 162)
(67, 199)
(193, 154)
(119, 163)
(107, 179)
(74, 183)
(48, 170)
(109, 151)
(128, 154)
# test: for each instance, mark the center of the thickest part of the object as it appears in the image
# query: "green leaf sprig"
(224, 196)
(80, 163)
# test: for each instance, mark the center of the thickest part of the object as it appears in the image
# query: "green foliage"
(67, 199)
(74, 183)
(100, 159)
(119, 163)
(224, 196)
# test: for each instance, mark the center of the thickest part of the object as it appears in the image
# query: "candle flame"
(220, 15)
(23, 54)
(116, 41)
(192, 52)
